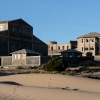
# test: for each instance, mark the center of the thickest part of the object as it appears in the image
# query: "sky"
(55, 20)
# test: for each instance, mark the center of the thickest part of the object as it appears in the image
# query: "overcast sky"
(55, 20)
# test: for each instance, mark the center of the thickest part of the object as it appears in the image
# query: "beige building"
(89, 43)
(54, 49)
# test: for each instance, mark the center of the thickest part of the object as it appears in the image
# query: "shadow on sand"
(5, 74)
(10, 83)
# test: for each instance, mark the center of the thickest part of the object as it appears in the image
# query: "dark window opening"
(51, 48)
(63, 48)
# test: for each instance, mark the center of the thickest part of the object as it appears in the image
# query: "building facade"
(54, 49)
(18, 34)
(89, 43)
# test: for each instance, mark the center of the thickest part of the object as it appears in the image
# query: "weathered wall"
(33, 60)
(88, 45)
(28, 61)
(55, 49)
(6, 60)
(18, 59)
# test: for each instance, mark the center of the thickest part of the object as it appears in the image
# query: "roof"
(38, 40)
(92, 34)
(71, 51)
(10, 20)
(25, 51)
(20, 19)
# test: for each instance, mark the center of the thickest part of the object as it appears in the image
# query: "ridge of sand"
(49, 87)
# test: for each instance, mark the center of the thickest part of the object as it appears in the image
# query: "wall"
(18, 59)
(6, 60)
(3, 26)
(55, 49)
(33, 60)
(29, 61)
(97, 58)
(83, 44)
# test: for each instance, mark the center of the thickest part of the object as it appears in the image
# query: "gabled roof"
(92, 34)
(25, 51)
(70, 51)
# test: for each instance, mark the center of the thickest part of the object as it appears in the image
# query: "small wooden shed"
(24, 56)
(71, 53)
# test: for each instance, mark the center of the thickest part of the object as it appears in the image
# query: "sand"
(48, 87)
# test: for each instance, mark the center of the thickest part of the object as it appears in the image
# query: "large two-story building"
(89, 43)
(18, 34)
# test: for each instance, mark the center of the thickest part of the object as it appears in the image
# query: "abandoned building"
(24, 57)
(71, 53)
(89, 43)
(18, 34)
(54, 48)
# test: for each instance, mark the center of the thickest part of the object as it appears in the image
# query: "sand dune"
(48, 87)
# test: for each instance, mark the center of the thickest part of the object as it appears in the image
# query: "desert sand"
(48, 87)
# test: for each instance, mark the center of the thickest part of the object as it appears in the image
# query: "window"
(92, 40)
(18, 56)
(82, 48)
(97, 48)
(82, 40)
(92, 48)
(86, 48)
(23, 56)
(58, 47)
(14, 56)
(87, 40)
(52, 48)
(63, 48)
(67, 47)
(97, 40)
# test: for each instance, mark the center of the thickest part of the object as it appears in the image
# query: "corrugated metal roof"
(71, 51)
(26, 51)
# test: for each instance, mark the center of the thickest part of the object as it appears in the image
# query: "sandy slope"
(49, 87)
